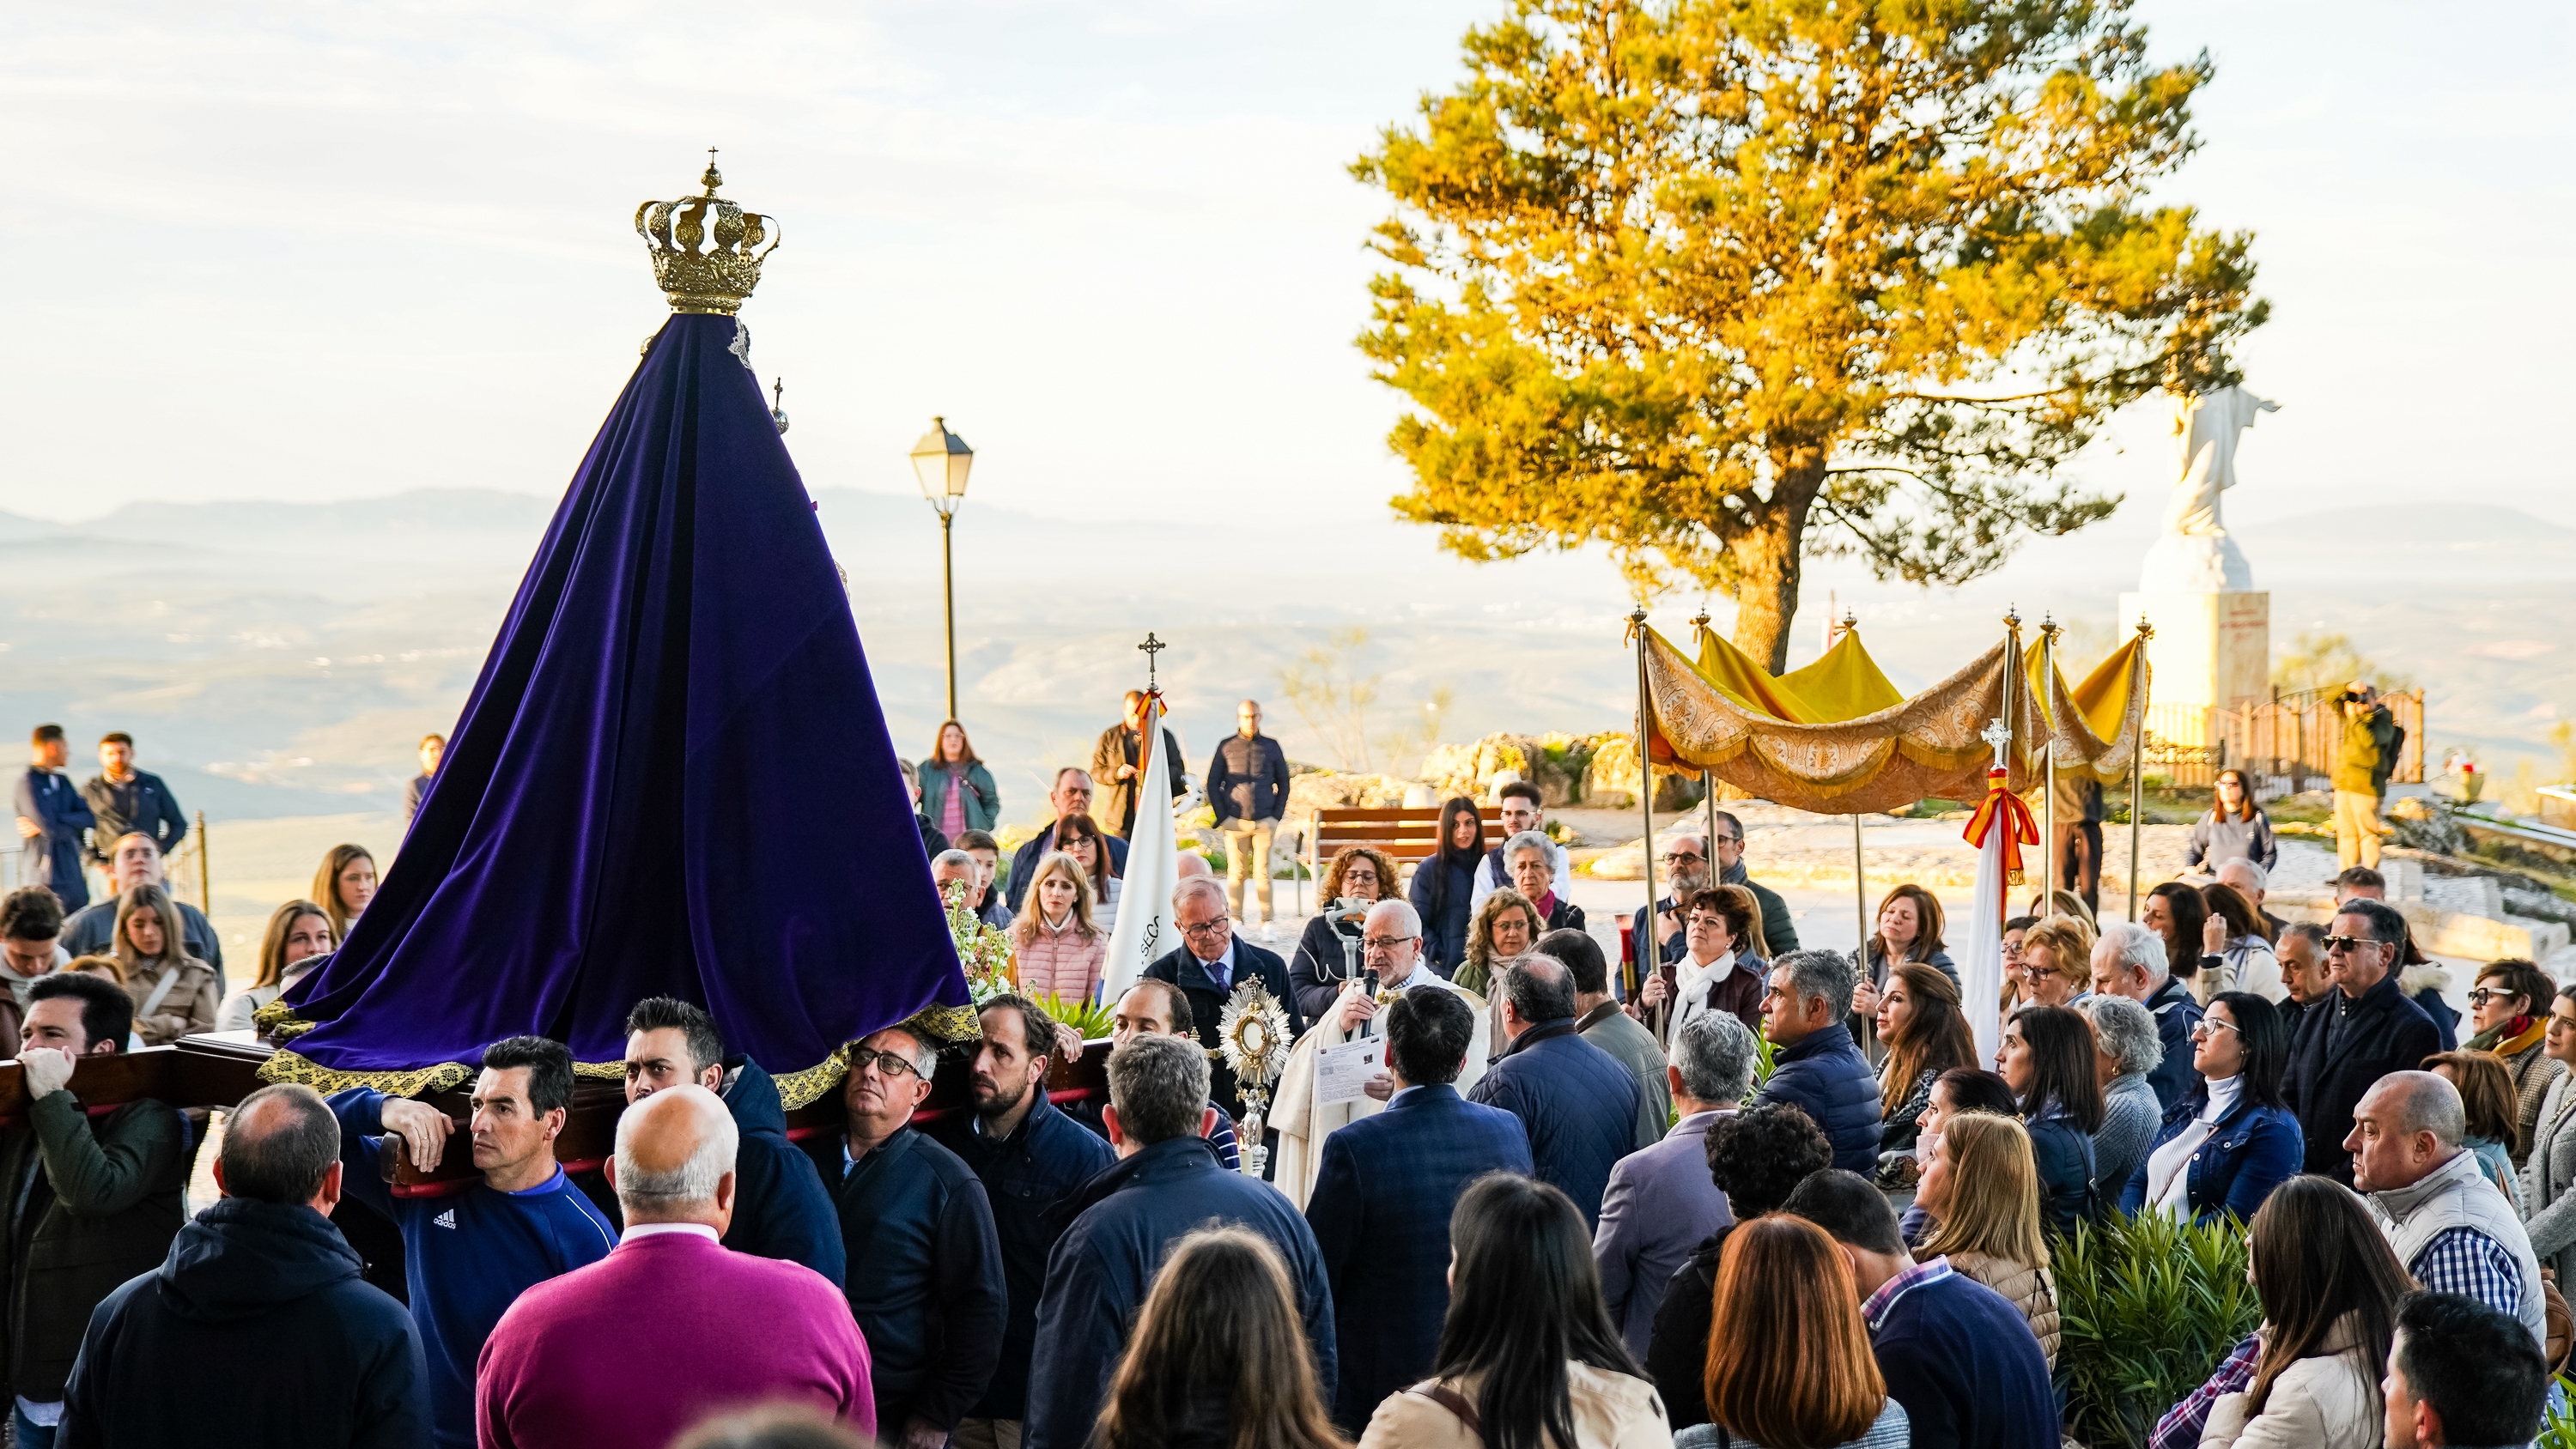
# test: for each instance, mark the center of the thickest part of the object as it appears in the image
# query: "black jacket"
(1248, 779)
(928, 1292)
(1677, 1353)
(2176, 1013)
(1315, 972)
(1120, 1227)
(781, 1209)
(1207, 1004)
(142, 805)
(2334, 1061)
(1025, 1176)
(255, 1331)
(85, 1204)
(2064, 1156)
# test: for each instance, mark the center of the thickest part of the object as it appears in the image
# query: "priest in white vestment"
(1392, 941)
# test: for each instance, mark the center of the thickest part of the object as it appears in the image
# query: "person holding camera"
(2360, 773)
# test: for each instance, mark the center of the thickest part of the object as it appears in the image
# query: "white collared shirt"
(646, 1230)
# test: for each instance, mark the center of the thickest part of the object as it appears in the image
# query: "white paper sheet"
(1342, 1073)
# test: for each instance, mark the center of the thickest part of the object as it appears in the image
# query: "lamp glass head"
(940, 461)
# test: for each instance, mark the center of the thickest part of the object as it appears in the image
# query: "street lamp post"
(940, 460)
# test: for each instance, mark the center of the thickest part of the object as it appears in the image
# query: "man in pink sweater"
(671, 1327)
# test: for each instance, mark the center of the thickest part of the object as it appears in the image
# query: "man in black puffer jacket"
(1820, 1069)
(257, 1329)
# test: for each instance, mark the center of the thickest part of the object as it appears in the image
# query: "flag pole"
(1645, 941)
(2014, 681)
(2137, 768)
(2048, 765)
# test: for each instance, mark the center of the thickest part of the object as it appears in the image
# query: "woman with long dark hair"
(957, 792)
(1789, 1363)
(1218, 1359)
(2048, 1063)
(1444, 885)
(1080, 836)
(1909, 929)
(2330, 1286)
(299, 936)
(2236, 946)
(2177, 914)
(2486, 1096)
(1528, 1357)
(1926, 1034)
(2233, 1140)
(2234, 829)
(343, 886)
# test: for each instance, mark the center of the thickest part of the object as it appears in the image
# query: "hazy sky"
(313, 251)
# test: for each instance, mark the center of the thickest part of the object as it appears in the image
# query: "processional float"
(1836, 737)
(672, 778)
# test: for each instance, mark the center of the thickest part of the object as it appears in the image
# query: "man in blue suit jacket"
(1578, 1102)
(1383, 1196)
(51, 816)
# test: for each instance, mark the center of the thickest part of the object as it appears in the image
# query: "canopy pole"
(1860, 896)
(1646, 942)
(1707, 783)
(2137, 769)
(2048, 765)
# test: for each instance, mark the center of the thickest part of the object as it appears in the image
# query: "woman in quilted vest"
(1982, 1191)
(1056, 949)
(2330, 1287)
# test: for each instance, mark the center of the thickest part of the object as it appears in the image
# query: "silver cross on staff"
(1999, 735)
(1153, 646)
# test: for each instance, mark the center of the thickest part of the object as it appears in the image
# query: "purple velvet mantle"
(672, 778)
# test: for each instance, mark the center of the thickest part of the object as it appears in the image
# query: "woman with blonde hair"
(1218, 1358)
(1981, 1193)
(174, 993)
(299, 936)
(1506, 925)
(1329, 947)
(1789, 1363)
(2056, 962)
(1056, 949)
(344, 885)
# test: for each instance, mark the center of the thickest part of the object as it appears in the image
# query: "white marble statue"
(2194, 555)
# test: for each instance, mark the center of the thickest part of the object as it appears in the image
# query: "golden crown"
(719, 278)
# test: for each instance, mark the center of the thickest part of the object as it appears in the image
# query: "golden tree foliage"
(1691, 278)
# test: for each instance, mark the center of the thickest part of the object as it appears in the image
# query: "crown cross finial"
(1152, 646)
(719, 276)
(1997, 734)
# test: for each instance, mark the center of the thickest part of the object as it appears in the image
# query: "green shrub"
(2148, 1307)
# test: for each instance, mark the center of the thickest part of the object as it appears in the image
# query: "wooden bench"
(1408, 837)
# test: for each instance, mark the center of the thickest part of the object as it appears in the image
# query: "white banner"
(1145, 932)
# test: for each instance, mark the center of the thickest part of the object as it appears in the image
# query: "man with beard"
(1030, 1157)
(1687, 870)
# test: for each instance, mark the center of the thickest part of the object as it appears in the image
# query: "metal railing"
(2287, 744)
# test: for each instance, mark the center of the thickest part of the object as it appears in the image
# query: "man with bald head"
(2450, 1227)
(260, 1310)
(568, 1365)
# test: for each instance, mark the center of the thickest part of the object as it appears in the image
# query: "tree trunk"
(1769, 555)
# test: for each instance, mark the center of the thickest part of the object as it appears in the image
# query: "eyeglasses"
(890, 1064)
(2485, 994)
(1385, 943)
(1207, 928)
(1726, 840)
(2347, 943)
(2209, 1026)
(1683, 857)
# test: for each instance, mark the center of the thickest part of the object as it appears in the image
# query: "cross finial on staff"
(1152, 646)
(1998, 735)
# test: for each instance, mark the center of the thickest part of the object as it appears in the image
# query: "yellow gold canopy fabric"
(1837, 737)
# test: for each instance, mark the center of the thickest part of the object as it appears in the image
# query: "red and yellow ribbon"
(2020, 829)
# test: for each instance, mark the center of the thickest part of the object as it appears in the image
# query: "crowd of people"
(1737, 1192)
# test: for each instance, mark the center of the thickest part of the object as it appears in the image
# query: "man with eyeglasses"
(1523, 812)
(2358, 1034)
(925, 1280)
(1686, 870)
(1392, 942)
(1209, 964)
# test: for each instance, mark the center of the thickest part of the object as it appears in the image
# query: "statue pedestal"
(2212, 650)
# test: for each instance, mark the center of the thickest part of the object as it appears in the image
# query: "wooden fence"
(2286, 745)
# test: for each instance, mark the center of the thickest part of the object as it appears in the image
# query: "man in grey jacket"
(1662, 1201)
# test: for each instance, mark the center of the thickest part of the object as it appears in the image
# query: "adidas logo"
(446, 1219)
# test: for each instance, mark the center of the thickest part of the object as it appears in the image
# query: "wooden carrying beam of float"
(218, 1069)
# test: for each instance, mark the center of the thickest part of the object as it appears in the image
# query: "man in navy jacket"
(1031, 1158)
(1071, 796)
(1954, 1352)
(1247, 789)
(51, 816)
(1383, 1195)
(1578, 1102)
(1125, 1221)
(1820, 1069)
(2364, 1029)
(780, 1209)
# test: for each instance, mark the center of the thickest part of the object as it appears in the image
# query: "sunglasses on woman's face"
(2485, 994)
